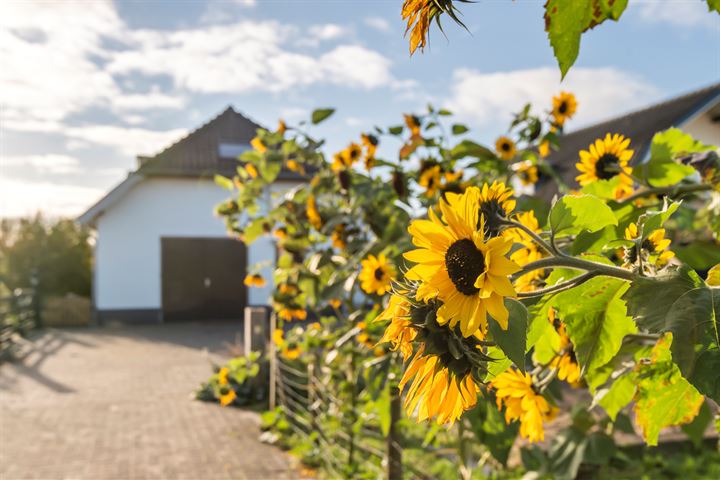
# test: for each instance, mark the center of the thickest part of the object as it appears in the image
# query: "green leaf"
(595, 317)
(444, 112)
(696, 429)
(662, 170)
(382, 406)
(603, 188)
(574, 214)
(321, 114)
(396, 130)
(270, 169)
(254, 230)
(224, 182)
(490, 430)
(498, 366)
(566, 20)
(713, 5)
(650, 221)
(600, 449)
(468, 148)
(459, 129)
(663, 398)
(617, 395)
(513, 340)
(705, 376)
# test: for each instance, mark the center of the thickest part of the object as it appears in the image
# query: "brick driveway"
(114, 403)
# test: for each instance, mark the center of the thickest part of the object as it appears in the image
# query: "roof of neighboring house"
(211, 149)
(639, 126)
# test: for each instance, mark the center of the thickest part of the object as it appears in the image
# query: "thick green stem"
(546, 246)
(559, 287)
(579, 264)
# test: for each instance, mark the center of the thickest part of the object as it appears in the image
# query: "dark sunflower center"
(464, 263)
(379, 273)
(505, 147)
(563, 107)
(607, 166)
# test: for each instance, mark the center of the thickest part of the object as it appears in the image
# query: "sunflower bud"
(343, 177)
(399, 184)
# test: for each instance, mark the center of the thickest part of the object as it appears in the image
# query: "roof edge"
(89, 218)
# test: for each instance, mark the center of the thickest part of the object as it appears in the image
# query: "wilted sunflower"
(529, 251)
(413, 123)
(313, 214)
(655, 244)
(430, 179)
(565, 361)
(399, 333)
(436, 391)
(290, 313)
(527, 172)
(605, 159)
(564, 107)
(522, 402)
(505, 148)
(419, 14)
(338, 236)
(376, 275)
(495, 201)
(254, 280)
(456, 264)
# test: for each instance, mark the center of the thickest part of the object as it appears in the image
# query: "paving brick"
(114, 403)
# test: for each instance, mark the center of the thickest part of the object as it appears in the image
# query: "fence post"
(273, 362)
(394, 450)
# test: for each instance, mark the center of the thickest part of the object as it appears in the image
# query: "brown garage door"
(202, 279)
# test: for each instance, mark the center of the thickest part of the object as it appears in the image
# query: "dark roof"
(639, 126)
(198, 153)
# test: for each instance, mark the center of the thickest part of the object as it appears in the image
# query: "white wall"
(127, 253)
(703, 128)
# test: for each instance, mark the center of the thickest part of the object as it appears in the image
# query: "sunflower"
(436, 391)
(377, 274)
(565, 361)
(281, 233)
(399, 332)
(288, 289)
(564, 107)
(515, 390)
(294, 166)
(338, 236)
(495, 201)
(336, 303)
(258, 145)
(456, 264)
(251, 170)
(290, 313)
(290, 351)
(313, 214)
(228, 397)
(223, 376)
(606, 159)
(544, 148)
(281, 127)
(430, 179)
(254, 280)
(527, 172)
(656, 246)
(505, 148)
(529, 252)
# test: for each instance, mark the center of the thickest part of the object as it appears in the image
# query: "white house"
(161, 254)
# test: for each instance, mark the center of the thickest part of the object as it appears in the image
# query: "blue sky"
(87, 85)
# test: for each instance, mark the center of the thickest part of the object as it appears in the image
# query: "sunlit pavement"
(115, 403)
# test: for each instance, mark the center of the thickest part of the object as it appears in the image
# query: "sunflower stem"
(674, 191)
(560, 286)
(546, 246)
(579, 264)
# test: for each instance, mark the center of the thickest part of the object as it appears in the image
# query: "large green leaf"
(595, 317)
(713, 5)
(619, 393)
(662, 170)
(663, 398)
(468, 148)
(513, 340)
(680, 302)
(566, 20)
(585, 212)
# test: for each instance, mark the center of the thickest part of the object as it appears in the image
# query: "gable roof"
(197, 155)
(639, 126)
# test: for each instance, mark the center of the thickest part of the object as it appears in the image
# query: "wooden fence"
(19, 315)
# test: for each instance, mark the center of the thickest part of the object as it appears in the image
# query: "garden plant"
(433, 272)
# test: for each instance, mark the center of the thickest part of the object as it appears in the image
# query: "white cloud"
(129, 141)
(246, 3)
(21, 198)
(683, 13)
(46, 163)
(149, 101)
(328, 31)
(489, 99)
(248, 56)
(378, 23)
